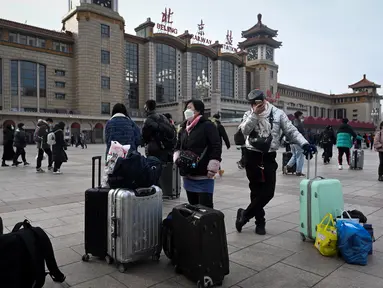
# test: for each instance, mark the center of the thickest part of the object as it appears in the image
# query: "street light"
(375, 115)
(202, 85)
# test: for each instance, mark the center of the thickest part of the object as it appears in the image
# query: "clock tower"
(260, 46)
(99, 50)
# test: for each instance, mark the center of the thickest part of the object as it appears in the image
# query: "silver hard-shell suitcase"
(357, 159)
(134, 225)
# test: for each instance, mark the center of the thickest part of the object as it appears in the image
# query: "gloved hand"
(309, 149)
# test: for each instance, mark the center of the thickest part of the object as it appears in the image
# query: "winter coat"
(203, 135)
(122, 129)
(20, 139)
(58, 149)
(328, 137)
(299, 125)
(8, 151)
(345, 136)
(221, 131)
(378, 141)
(42, 135)
(281, 123)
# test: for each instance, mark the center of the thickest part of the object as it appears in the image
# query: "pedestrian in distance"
(262, 129)
(8, 152)
(378, 145)
(20, 142)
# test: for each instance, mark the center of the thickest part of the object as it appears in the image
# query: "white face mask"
(189, 114)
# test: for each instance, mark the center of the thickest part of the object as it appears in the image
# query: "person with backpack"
(41, 139)
(20, 142)
(328, 140)
(344, 141)
(122, 129)
(158, 134)
(8, 152)
(297, 157)
(58, 148)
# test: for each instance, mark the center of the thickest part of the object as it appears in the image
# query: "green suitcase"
(318, 196)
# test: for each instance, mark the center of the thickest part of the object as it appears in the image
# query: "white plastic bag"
(44, 156)
(116, 151)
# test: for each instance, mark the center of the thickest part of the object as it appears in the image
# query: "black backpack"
(24, 253)
(135, 171)
(166, 134)
(239, 138)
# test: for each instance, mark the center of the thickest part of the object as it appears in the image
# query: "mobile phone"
(257, 102)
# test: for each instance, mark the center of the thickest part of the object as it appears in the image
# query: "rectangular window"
(271, 74)
(105, 82)
(60, 96)
(1, 79)
(14, 77)
(272, 90)
(56, 46)
(31, 41)
(105, 57)
(227, 79)
(355, 110)
(22, 39)
(105, 30)
(105, 108)
(40, 43)
(64, 48)
(12, 37)
(43, 80)
(59, 72)
(60, 84)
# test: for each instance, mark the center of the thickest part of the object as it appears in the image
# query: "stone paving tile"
(280, 257)
(281, 276)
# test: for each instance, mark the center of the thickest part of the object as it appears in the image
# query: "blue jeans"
(297, 158)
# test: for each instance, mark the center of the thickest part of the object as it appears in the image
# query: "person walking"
(344, 140)
(222, 135)
(122, 128)
(262, 129)
(8, 152)
(297, 158)
(328, 140)
(198, 154)
(372, 137)
(20, 142)
(378, 145)
(41, 138)
(58, 149)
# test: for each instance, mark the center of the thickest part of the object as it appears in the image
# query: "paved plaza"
(279, 259)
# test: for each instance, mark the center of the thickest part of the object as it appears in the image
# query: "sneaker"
(240, 221)
(50, 168)
(260, 230)
(300, 174)
(4, 165)
(40, 170)
(240, 167)
(380, 178)
(285, 169)
(58, 172)
(340, 167)
(26, 164)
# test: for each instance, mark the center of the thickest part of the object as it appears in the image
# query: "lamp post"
(375, 115)
(202, 85)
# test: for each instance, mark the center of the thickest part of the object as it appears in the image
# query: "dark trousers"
(202, 198)
(40, 157)
(57, 166)
(372, 145)
(341, 151)
(261, 183)
(327, 153)
(242, 160)
(19, 152)
(380, 164)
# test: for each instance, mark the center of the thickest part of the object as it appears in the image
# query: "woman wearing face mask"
(262, 128)
(198, 154)
(378, 145)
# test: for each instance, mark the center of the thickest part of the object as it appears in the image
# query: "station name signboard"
(167, 22)
(199, 37)
(228, 46)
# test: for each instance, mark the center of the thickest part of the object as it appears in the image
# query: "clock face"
(103, 3)
(252, 53)
(269, 53)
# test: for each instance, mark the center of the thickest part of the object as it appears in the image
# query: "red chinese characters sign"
(271, 98)
(199, 37)
(166, 22)
(228, 46)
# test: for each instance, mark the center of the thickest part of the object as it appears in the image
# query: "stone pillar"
(187, 76)
(242, 83)
(150, 65)
(236, 80)
(215, 104)
(216, 76)
(142, 87)
(6, 85)
(179, 75)
(210, 75)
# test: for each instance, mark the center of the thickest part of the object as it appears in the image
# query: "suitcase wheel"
(156, 257)
(121, 268)
(85, 257)
(303, 237)
(108, 259)
(205, 282)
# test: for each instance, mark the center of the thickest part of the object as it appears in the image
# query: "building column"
(236, 80)
(150, 81)
(210, 76)
(242, 83)
(215, 103)
(38, 87)
(179, 76)
(187, 76)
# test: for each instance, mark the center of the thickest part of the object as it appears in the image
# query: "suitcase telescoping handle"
(315, 166)
(144, 192)
(94, 159)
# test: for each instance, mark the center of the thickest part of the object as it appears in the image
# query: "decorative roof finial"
(260, 18)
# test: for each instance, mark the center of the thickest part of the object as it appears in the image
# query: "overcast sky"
(327, 44)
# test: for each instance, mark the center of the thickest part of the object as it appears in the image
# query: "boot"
(241, 219)
(380, 178)
(3, 164)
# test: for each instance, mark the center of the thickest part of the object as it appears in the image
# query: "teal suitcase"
(318, 196)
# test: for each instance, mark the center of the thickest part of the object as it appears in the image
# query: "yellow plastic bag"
(326, 238)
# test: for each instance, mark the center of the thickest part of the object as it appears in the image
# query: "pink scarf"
(190, 125)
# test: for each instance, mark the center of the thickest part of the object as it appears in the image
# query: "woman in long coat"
(58, 149)
(8, 152)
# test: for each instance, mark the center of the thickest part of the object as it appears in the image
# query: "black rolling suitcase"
(200, 245)
(170, 181)
(96, 216)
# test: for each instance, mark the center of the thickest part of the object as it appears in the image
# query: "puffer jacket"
(281, 124)
(344, 136)
(378, 141)
(20, 140)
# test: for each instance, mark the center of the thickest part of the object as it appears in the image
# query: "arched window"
(199, 63)
(166, 69)
(227, 79)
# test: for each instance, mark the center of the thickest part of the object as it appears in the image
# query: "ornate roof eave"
(259, 28)
(207, 51)
(170, 40)
(364, 83)
(259, 40)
